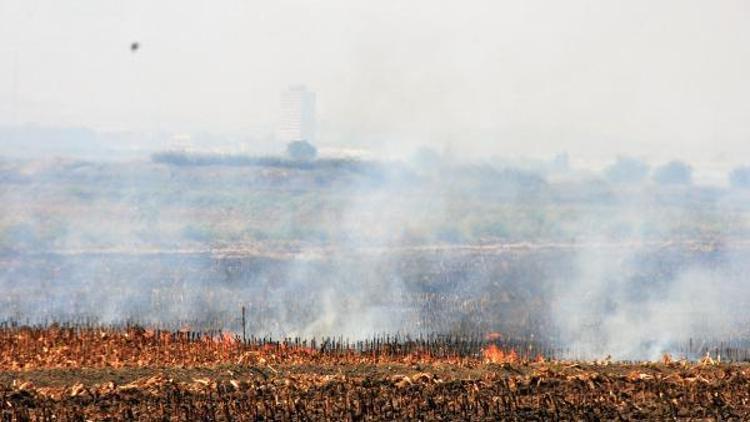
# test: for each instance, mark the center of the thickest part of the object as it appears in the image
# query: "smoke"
(648, 289)
(464, 237)
(508, 78)
(435, 244)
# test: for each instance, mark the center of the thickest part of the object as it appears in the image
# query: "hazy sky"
(651, 78)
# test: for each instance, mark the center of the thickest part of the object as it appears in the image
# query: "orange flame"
(268, 347)
(494, 354)
(228, 339)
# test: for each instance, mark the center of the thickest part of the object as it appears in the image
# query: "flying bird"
(134, 47)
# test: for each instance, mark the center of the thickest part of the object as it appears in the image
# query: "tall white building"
(297, 115)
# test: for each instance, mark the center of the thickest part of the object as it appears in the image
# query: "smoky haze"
(570, 172)
(654, 79)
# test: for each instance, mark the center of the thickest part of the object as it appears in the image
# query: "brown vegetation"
(136, 374)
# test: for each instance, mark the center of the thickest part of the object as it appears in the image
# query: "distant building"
(297, 115)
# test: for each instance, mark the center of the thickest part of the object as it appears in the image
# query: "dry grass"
(77, 374)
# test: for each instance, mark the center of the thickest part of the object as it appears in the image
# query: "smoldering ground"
(592, 267)
(627, 261)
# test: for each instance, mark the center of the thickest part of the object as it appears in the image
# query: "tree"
(740, 177)
(674, 173)
(627, 170)
(301, 151)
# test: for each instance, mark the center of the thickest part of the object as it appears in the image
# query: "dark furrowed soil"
(392, 391)
(94, 376)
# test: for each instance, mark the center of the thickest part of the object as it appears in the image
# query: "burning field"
(517, 336)
(337, 210)
(87, 373)
(152, 291)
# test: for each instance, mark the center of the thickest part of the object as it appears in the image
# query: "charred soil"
(136, 374)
